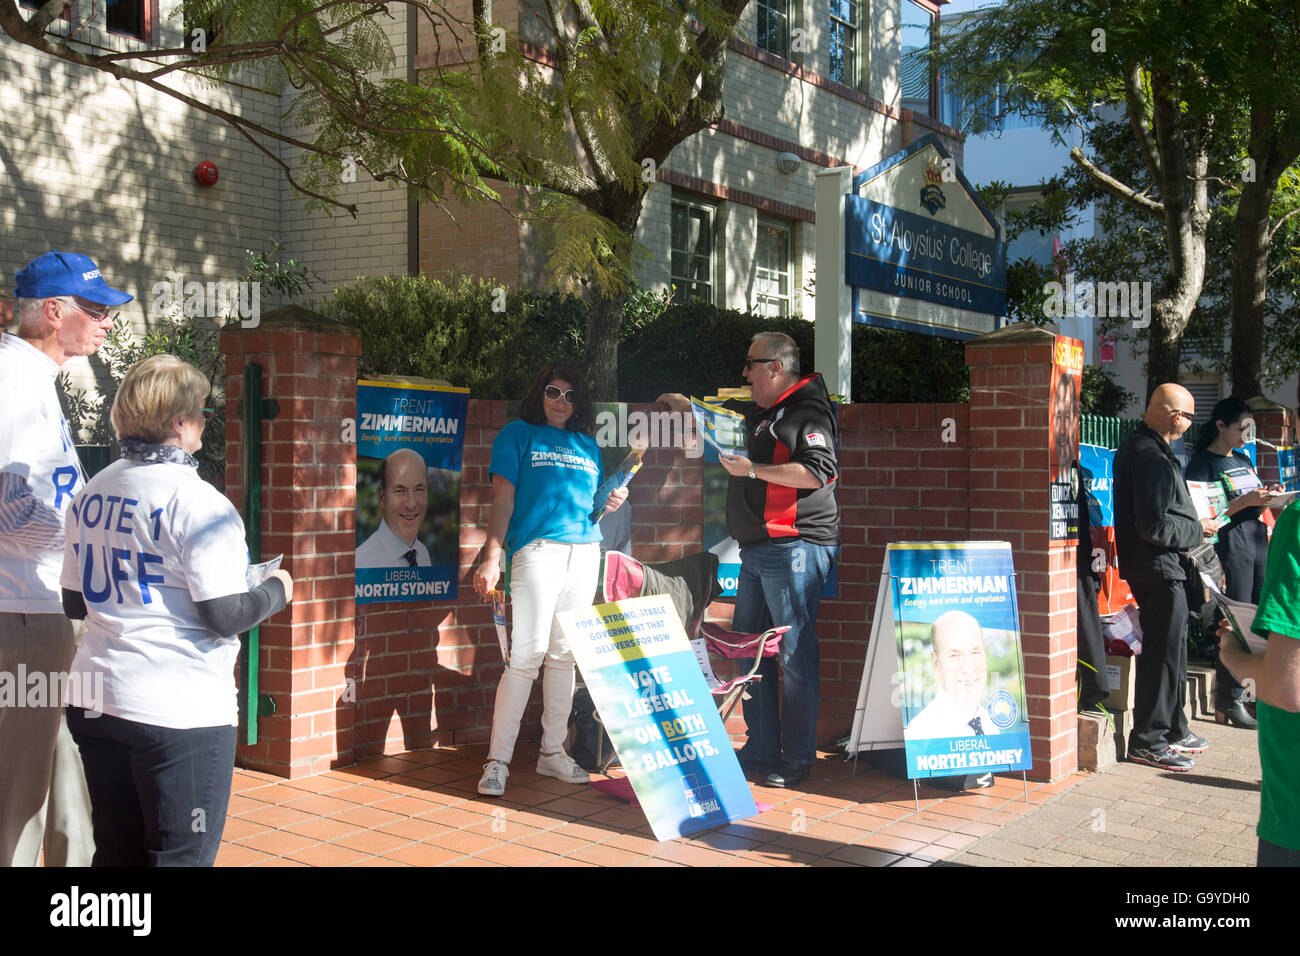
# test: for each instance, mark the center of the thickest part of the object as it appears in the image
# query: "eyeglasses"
(1179, 411)
(554, 393)
(96, 315)
(751, 362)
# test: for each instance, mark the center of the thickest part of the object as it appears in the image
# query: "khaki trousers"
(43, 795)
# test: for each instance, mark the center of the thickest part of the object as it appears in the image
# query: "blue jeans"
(781, 583)
(1270, 854)
(158, 796)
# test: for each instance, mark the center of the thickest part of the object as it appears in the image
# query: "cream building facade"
(106, 168)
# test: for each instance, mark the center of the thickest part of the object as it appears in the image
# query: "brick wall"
(1272, 425)
(308, 503)
(426, 675)
(357, 681)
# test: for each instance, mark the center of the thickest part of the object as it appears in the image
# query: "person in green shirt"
(1275, 679)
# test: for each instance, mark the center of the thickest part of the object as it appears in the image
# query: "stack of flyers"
(257, 573)
(1239, 615)
(720, 427)
(1210, 501)
(498, 598)
(628, 467)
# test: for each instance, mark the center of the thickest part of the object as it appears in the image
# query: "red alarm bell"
(205, 174)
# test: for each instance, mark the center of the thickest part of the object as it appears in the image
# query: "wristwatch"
(751, 470)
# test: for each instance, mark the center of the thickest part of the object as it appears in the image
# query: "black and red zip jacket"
(799, 426)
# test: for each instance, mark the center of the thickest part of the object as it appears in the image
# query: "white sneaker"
(493, 781)
(561, 767)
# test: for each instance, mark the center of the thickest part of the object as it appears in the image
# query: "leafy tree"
(1070, 64)
(1266, 62)
(579, 141)
(1203, 162)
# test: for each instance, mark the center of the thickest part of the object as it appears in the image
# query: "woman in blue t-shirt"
(545, 470)
(1243, 542)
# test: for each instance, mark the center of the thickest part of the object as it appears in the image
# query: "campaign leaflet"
(410, 437)
(958, 648)
(721, 428)
(653, 700)
(1286, 468)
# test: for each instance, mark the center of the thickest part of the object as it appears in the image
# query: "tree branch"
(1273, 231)
(1113, 186)
(1137, 115)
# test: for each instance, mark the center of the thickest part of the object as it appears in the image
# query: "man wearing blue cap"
(63, 310)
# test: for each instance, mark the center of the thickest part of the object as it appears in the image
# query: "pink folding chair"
(692, 583)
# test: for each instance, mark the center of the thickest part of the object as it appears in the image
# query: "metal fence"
(1105, 431)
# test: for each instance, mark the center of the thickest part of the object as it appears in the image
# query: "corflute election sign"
(961, 671)
(655, 705)
(409, 442)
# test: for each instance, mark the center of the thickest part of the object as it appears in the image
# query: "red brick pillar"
(1271, 426)
(1010, 431)
(308, 502)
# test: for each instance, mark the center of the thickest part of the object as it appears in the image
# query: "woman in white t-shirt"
(157, 564)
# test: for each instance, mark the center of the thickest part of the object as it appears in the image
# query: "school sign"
(914, 248)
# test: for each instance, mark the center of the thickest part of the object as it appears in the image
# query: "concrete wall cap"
(1015, 334)
(297, 317)
(1258, 403)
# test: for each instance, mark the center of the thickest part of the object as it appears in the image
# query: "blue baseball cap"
(66, 273)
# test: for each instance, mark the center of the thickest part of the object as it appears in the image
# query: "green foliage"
(894, 366)
(286, 277)
(421, 326)
(191, 342)
(1102, 395)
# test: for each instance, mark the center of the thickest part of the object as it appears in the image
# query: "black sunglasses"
(750, 362)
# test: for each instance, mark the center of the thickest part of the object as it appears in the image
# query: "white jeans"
(546, 577)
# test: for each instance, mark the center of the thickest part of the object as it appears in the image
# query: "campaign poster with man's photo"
(410, 438)
(961, 673)
(1067, 384)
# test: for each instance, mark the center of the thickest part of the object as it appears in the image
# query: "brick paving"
(1133, 815)
(420, 809)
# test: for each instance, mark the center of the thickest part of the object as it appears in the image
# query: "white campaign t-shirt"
(145, 542)
(36, 445)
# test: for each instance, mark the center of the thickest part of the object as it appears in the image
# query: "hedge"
(473, 332)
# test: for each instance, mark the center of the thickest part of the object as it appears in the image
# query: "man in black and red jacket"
(782, 512)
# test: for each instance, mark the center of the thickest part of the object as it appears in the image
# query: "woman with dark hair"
(545, 471)
(1243, 542)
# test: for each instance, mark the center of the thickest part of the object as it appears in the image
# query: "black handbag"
(1201, 559)
(589, 745)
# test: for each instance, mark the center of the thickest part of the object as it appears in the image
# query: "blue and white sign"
(647, 685)
(410, 437)
(1286, 467)
(957, 633)
(922, 251)
(1097, 467)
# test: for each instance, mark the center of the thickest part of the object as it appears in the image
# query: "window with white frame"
(695, 248)
(843, 42)
(773, 32)
(773, 267)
